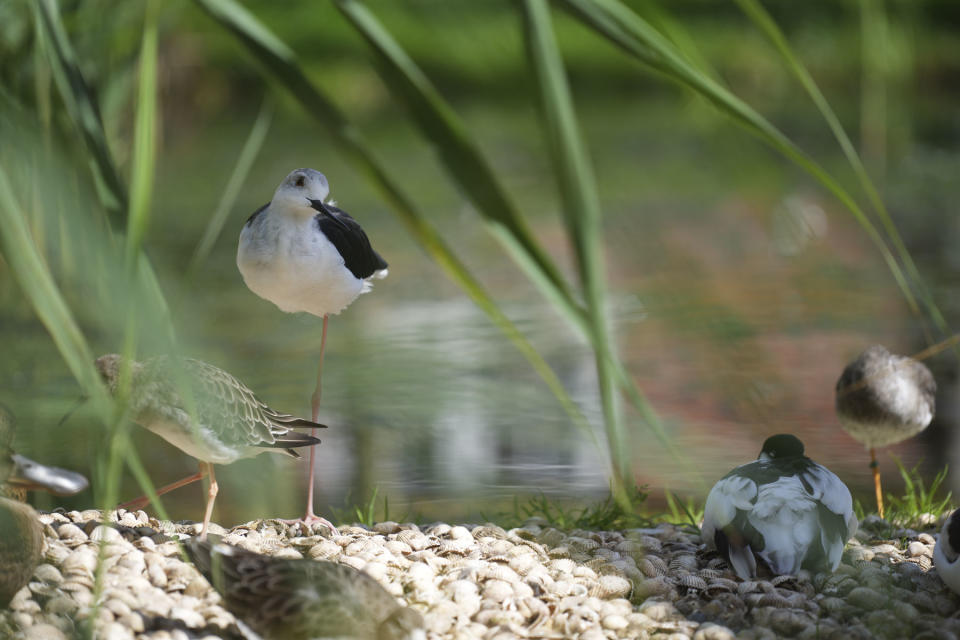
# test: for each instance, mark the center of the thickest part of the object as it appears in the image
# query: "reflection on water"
(732, 330)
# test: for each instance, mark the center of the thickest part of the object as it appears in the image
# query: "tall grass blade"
(281, 64)
(581, 205)
(441, 125)
(766, 24)
(144, 141)
(630, 32)
(258, 133)
(461, 157)
(36, 282)
(83, 109)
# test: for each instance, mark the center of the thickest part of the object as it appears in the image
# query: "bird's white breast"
(288, 261)
(203, 444)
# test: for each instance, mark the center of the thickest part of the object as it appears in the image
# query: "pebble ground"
(481, 581)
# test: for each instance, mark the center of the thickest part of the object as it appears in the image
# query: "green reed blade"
(581, 205)
(82, 108)
(281, 65)
(766, 24)
(258, 133)
(617, 23)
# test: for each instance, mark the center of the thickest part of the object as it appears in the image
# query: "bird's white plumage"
(202, 443)
(285, 258)
(773, 509)
(946, 558)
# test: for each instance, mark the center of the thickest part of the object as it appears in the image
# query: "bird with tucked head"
(782, 509)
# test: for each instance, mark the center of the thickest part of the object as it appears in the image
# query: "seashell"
(611, 586)
(562, 551)
(414, 539)
(710, 574)
(387, 527)
(582, 544)
(609, 555)
(719, 585)
(692, 581)
(489, 531)
(651, 569)
(561, 566)
(768, 600)
(684, 562)
(352, 561)
(500, 572)
(324, 550)
(497, 590)
(438, 529)
(448, 547)
(748, 586)
(564, 588)
(653, 587)
(82, 561)
(496, 616)
(534, 611)
(550, 537)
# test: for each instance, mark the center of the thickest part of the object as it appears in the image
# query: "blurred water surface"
(739, 291)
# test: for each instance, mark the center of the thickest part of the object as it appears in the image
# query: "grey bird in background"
(294, 599)
(882, 399)
(302, 253)
(231, 422)
(21, 535)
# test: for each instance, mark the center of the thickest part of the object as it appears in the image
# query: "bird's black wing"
(254, 215)
(351, 241)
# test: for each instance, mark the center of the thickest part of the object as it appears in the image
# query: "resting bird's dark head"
(783, 445)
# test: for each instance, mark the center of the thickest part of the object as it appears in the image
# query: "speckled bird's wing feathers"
(295, 599)
(223, 404)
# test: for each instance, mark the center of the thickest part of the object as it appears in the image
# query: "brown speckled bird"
(231, 422)
(292, 599)
(882, 399)
(21, 535)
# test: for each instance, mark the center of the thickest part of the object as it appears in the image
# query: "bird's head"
(108, 366)
(780, 446)
(300, 190)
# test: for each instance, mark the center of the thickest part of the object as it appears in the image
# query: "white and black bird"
(946, 553)
(782, 509)
(882, 399)
(302, 253)
(228, 421)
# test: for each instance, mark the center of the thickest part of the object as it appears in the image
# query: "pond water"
(738, 293)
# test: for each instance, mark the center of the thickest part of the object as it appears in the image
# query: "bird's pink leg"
(211, 497)
(310, 517)
(142, 501)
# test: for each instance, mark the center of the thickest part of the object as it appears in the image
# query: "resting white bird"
(946, 553)
(783, 509)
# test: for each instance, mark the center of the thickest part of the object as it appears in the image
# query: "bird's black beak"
(31, 475)
(319, 206)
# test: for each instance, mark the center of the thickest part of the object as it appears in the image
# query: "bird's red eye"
(299, 181)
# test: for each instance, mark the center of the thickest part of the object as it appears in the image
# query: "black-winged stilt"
(304, 254)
